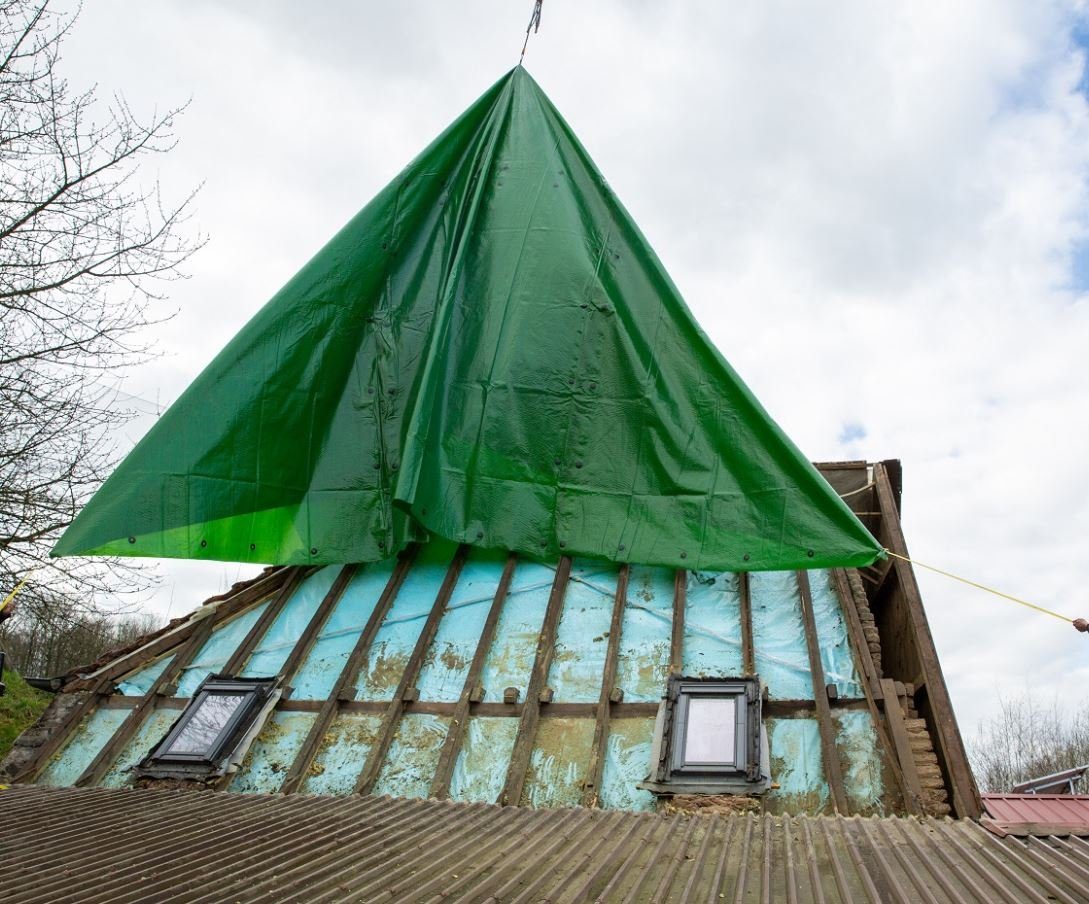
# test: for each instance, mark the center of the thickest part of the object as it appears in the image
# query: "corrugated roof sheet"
(1010, 810)
(99, 845)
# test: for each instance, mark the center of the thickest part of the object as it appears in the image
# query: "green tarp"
(489, 351)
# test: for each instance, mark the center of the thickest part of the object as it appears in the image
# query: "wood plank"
(864, 663)
(914, 796)
(101, 694)
(592, 786)
(856, 635)
(225, 607)
(531, 711)
(748, 651)
(950, 747)
(676, 638)
(160, 687)
(368, 776)
(343, 689)
(300, 648)
(451, 748)
(238, 659)
(779, 709)
(317, 621)
(829, 752)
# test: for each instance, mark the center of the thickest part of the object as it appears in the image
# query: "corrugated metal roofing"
(1009, 810)
(95, 845)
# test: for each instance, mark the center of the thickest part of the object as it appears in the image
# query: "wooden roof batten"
(875, 492)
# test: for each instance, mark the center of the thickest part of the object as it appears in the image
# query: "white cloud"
(871, 208)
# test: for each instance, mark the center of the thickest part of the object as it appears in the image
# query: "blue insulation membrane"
(582, 637)
(514, 647)
(643, 656)
(836, 657)
(413, 756)
(480, 772)
(139, 682)
(447, 662)
(157, 723)
(323, 664)
(273, 649)
(557, 766)
(401, 627)
(271, 755)
(862, 760)
(217, 650)
(712, 626)
(797, 768)
(782, 659)
(342, 754)
(627, 761)
(68, 763)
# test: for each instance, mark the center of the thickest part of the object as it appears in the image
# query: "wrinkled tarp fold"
(489, 351)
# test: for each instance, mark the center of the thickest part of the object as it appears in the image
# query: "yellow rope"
(957, 577)
(18, 587)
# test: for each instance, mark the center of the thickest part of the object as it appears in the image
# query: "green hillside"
(19, 707)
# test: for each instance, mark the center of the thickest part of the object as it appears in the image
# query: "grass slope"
(19, 707)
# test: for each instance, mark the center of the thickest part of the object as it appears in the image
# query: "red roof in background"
(1007, 812)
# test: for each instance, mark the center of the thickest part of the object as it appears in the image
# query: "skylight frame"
(743, 771)
(161, 761)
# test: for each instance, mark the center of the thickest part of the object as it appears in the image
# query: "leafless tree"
(53, 644)
(86, 243)
(1028, 739)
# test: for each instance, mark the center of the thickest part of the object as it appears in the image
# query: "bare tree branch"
(87, 246)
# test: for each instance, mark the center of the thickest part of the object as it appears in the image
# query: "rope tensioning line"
(957, 577)
(915, 562)
(534, 24)
(977, 585)
(18, 587)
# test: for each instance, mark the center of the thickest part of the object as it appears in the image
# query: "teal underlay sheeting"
(274, 648)
(712, 626)
(139, 682)
(711, 647)
(324, 662)
(217, 650)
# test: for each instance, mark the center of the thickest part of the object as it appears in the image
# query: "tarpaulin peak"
(491, 352)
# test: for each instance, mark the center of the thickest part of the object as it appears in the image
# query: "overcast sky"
(877, 211)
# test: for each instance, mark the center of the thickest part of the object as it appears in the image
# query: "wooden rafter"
(676, 637)
(368, 776)
(223, 608)
(872, 687)
(455, 734)
(832, 770)
(241, 655)
(894, 715)
(162, 686)
(343, 689)
(313, 628)
(938, 710)
(592, 786)
(531, 711)
(748, 651)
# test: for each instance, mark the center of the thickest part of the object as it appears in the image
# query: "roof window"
(200, 743)
(710, 738)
